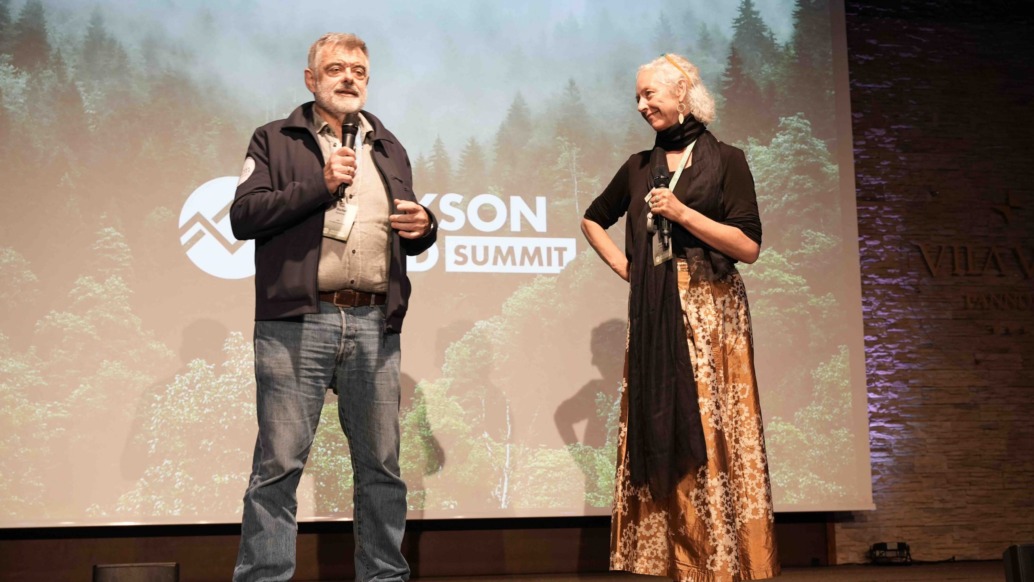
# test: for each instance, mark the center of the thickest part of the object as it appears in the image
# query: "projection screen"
(126, 367)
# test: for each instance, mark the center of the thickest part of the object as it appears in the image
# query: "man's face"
(339, 81)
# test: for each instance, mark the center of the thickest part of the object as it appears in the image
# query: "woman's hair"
(698, 100)
(349, 41)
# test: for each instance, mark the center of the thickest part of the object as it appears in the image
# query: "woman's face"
(657, 103)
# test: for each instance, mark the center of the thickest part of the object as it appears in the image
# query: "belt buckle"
(350, 298)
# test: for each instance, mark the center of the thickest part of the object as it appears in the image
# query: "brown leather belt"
(350, 298)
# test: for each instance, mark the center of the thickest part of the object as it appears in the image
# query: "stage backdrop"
(126, 368)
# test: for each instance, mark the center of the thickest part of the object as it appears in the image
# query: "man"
(330, 296)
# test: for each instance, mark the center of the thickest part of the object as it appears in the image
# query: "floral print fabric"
(718, 524)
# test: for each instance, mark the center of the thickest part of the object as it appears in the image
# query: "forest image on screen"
(127, 390)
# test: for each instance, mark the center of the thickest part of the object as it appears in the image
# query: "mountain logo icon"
(205, 232)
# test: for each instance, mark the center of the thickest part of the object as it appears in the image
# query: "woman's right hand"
(605, 248)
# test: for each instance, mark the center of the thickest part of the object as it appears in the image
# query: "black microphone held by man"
(349, 133)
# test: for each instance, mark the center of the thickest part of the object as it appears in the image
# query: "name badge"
(338, 221)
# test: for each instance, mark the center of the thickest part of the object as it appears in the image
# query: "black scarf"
(679, 135)
(665, 437)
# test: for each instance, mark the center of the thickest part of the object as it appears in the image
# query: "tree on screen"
(109, 132)
(817, 438)
(512, 158)
(474, 416)
(440, 178)
(28, 427)
(192, 451)
(29, 45)
(756, 44)
(792, 288)
(5, 25)
(706, 53)
(330, 466)
(103, 59)
(811, 68)
(744, 112)
(472, 177)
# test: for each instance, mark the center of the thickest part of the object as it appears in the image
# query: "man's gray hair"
(344, 39)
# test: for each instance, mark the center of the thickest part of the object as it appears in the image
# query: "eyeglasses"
(359, 72)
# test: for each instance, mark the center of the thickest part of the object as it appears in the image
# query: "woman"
(693, 500)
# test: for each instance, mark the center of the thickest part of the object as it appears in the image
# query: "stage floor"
(991, 571)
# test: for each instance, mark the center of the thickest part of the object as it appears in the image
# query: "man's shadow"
(203, 339)
(595, 404)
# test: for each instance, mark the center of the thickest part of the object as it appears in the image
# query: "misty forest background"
(97, 136)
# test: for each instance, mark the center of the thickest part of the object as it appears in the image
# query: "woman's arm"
(738, 236)
(726, 239)
(605, 248)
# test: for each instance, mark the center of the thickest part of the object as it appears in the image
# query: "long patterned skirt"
(717, 526)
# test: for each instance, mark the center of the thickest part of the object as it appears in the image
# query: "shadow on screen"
(596, 404)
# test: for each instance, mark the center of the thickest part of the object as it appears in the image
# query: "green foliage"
(330, 465)
(598, 463)
(811, 68)
(18, 284)
(103, 59)
(512, 159)
(574, 187)
(440, 178)
(796, 181)
(756, 44)
(206, 476)
(474, 419)
(745, 111)
(472, 178)
(30, 48)
(88, 363)
(89, 112)
(791, 286)
(818, 437)
(28, 429)
(5, 24)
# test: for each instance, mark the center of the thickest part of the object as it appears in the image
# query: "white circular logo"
(205, 232)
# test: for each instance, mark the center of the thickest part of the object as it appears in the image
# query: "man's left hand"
(411, 220)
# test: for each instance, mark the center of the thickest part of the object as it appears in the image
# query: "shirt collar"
(320, 125)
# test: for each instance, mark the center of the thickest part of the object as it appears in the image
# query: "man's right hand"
(340, 169)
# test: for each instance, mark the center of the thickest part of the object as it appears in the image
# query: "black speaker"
(1019, 563)
(158, 572)
(894, 553)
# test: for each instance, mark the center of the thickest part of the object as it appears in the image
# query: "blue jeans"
(296, 361)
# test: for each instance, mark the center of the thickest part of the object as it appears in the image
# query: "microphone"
(661, 179)
(349, 132)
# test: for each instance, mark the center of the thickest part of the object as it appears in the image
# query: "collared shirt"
(361, 262)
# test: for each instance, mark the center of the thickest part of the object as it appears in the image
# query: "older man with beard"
(333, 226)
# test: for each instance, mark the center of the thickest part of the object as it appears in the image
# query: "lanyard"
(682, 166)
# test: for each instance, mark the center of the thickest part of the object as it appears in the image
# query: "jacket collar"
(300, 119)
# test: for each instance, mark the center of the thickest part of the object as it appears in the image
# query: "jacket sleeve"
(413, 247)
(259, 211)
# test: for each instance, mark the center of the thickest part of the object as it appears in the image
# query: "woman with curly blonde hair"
(693, 500)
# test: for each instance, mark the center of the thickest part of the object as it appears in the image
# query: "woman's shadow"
(596, 403)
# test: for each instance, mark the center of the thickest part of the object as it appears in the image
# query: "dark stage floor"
(992, 571)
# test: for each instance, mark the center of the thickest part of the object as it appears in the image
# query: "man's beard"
(339, 105)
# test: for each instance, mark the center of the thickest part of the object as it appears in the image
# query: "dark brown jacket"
(282, 204)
